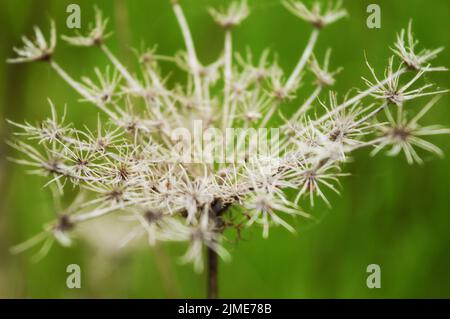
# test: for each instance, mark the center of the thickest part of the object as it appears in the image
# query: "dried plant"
(134, 163)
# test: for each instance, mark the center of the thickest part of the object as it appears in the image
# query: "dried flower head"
(185, 162)
(406, 50)
(315, 15)
(37, 50)
(236, 12)
(404, 135)
(324, 77)
(391, 90)
(95, 36)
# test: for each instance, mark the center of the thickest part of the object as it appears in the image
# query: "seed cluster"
(131, 164)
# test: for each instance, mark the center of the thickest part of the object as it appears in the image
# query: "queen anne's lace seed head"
(141, 160)
(406, 49)
(392, 92)
(232, 16)
(105, 90)
(405, 135)
(37, 50)
(316, 16)
(324, 77)
(96, 35)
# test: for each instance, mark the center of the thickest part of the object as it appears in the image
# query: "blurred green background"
(389, 213)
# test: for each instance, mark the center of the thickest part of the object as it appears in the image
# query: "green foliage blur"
(389, 213)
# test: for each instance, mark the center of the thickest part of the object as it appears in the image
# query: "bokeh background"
(389, 213)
